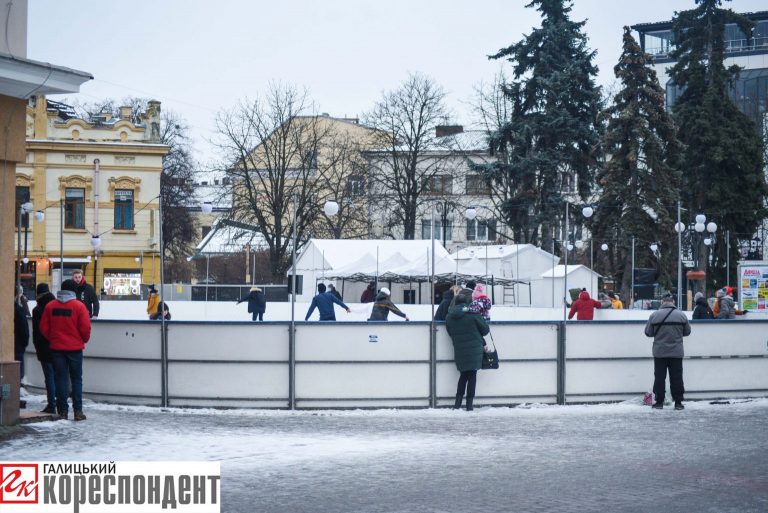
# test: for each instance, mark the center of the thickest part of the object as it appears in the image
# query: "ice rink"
(712, 457)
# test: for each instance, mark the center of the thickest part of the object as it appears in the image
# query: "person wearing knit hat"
(702, 309)
(383, 305)
(480, 304)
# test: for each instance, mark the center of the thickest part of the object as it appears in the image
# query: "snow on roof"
(559, 270)
(498, 251)
(473, 267)
(225, 239)
(338, 253)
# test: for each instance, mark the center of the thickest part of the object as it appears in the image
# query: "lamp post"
(699, 227)
(587, 212)
(24, 208)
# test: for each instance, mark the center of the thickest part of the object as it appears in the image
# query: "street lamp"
(24, 208)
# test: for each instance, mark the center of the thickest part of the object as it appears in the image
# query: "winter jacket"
(702, 309)
(466, 330)
(381, 308)
(324, 304)
(667, 326)
(368, 295)
(727, 308)
(20, 328)
(616, 304)
(257, 301)
(66, 323)
(442, 308)
(584, 307)
(157, 316)
(42, 346)
(335, 293)
(152, 301)
(88, 297)
(482, 306)
(466, 293)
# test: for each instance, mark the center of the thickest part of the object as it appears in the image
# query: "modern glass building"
(750, 92)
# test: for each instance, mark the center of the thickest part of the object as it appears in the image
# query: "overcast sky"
(199, 57)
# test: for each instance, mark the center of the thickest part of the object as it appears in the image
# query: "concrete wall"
(354, 365)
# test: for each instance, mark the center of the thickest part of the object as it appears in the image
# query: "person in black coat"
(445, 304)
(20, 337)
(702, 309)
(161, 307)
(257, 303)
(43, 347)
(332, 290)
(369, 294)
(86, 294)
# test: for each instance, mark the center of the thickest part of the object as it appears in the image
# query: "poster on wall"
(122, 283)
(753, 287)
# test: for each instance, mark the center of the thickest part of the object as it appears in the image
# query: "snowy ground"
(619, 458)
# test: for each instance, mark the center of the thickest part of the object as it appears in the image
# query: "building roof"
(228, 237)
(23, 78)
(559, 270)
(498, 251)
(667, 24)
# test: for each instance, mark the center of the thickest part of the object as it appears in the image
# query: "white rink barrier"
(397, 364)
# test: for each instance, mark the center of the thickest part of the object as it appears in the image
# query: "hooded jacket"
(442, 308)
(381, 308)
(66, 323)
(727, 308)
(257, 301)
(88, 297)
(466, 329)
(584, 307)
(667, 326)
(702, 309)
(42, 346)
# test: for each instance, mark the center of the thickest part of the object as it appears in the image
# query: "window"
(439, 184)
(481, 229)
(22, 196)
(74, 208)
(205, 231)
(477, 186)
(123, 209)
(355, 186)
(426, 229)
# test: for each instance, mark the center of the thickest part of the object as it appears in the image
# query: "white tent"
(321, 258)
(551, 289)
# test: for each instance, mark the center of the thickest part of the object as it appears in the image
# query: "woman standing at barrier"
(467, 330)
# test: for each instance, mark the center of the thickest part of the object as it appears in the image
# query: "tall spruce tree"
(723, 155)
(547, 147)
(640, 180)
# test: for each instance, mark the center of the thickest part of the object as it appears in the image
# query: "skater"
(324, 302)
(383, 305)
(257, 303)
(584, 307)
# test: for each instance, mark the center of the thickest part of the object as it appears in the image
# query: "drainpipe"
(96, 198)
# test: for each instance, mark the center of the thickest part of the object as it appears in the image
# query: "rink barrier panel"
(376, 365)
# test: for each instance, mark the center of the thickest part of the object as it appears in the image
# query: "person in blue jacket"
(324, 301)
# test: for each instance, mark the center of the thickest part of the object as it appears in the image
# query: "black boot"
(457, 405)
(469, 403)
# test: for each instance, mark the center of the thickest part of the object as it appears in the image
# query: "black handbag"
(491, 359)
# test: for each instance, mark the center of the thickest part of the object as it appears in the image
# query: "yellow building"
(97, 184)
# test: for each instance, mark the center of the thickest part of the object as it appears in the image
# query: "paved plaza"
(602, 458)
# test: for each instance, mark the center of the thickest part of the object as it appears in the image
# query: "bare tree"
(270, 146)
(408, 168)
(343, 177)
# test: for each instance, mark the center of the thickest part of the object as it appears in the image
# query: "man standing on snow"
(86, 294)
(668, 326)
(66, 325)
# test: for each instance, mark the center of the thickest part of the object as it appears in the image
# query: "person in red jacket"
(66, 323)
(584, 307)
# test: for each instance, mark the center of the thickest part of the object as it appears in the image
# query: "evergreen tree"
(640, 180)
(547, 146)
(723, 155)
